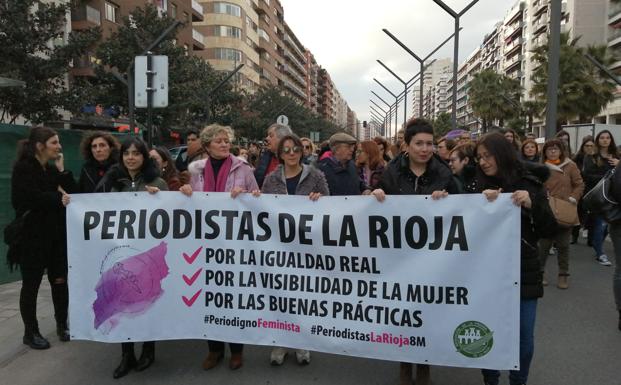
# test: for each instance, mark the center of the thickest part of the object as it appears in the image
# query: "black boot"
(147, 356)
(35, 340)
(619, 326)
(128, 361)
(62, 331)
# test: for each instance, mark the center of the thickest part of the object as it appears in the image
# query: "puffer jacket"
(240, 175)
(311, 180)
(565, 181)
(398, 178)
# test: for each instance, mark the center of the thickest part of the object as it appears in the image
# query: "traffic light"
(364, 124)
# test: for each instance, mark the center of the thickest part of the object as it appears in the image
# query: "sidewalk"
(577, 343)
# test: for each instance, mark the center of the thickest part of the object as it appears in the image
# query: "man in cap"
(340, 170)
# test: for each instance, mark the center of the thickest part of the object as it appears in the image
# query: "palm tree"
(583, 90)
(493, 96)
(532, 109)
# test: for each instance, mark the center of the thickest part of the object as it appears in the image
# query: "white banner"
(409, 279)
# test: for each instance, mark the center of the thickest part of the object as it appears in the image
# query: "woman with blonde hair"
(221, 171)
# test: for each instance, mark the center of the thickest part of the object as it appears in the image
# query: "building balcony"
(540, 7)
(197, 11)
(515, 29)
(513, 61)
(540, 24)
(289, 41)
(614, 37)
(614, 12)
(198, 40)
(294, 61)
(517, 75)
(513, 46)
(85, 17)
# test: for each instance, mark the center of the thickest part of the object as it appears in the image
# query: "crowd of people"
(417, 163)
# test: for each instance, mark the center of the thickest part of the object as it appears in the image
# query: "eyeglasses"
(307, 147)
(291, 150)
(553, 149)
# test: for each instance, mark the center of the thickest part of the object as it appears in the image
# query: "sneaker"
(277, 356)
(302, 356)
(585, 233)
(552, 251)
(603, 260)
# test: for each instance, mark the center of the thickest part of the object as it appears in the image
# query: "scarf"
(216, 183)
(554, 162)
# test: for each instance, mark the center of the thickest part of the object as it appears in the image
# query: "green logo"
(473, 339)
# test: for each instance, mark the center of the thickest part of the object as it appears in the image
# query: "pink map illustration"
(130, 287)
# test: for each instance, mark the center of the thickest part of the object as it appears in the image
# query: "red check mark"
(191, 258)
(190, 302)
(189, 281)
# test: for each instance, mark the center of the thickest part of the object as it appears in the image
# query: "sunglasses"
(306, 147)
(291, 150)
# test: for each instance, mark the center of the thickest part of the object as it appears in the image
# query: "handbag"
(599, 200)
(565, 212)
(13, 232)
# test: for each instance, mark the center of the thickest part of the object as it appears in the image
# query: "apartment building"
(294, 68)
(612, 113)
(108, 15)
(430, 77)
(312, 82)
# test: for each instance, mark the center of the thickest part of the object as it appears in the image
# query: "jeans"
(615, 235)
(528, 312)
(600, 227)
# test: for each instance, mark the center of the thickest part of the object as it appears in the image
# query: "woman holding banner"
(136, 171)
(293, 177)
(499, 171)
(39, 196)
(220, 172)
(417, 171)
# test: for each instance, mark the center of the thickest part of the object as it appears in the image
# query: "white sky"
(346, 38)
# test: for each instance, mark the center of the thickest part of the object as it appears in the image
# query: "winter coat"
(565, 181)
(466, 180)
(398, 178)
(616, 184)
(593, 170)
(93, 171)
(118, 180)
(240, 175)
(260, 172)
(536, 222)
(375, 176)
(342, 179)
(35, 189)
(311, 180)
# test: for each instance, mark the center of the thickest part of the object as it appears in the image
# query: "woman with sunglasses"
(293, 177)
(309, 156)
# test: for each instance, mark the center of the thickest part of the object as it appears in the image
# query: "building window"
(186, 17)
(173, 10)
(227, 8)
(225, 31)
(263, 34)
(112, 12)
(228, 54)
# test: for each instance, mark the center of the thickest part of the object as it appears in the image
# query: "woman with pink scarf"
(220, 172)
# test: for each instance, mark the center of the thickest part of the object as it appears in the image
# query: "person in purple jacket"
(220, 172)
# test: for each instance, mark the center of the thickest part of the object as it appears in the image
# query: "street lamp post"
(421, 61)
(405, 94)
(455, 16)
(553, 67)
(389, 110)
(396, 102)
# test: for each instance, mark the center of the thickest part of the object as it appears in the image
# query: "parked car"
(175, 152)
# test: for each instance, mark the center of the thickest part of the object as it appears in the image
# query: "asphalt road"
(577, 343)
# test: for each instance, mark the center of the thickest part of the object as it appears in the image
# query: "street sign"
(160, 81)
(282, 119)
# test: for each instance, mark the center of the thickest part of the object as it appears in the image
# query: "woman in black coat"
(39, 192)
(417, 171)
(500, 171)
(100, 151)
